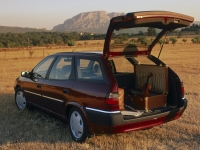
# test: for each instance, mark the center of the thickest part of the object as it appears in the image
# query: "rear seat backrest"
(159, 80)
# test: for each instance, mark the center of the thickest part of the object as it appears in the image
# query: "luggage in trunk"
(156, 96)
(146, 103)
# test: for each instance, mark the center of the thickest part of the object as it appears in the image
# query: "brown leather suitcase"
(147, 103)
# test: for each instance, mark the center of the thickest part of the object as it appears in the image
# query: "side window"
(62, 68)
(41, 69)
(89, 70)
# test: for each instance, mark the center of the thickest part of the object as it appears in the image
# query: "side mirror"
(25, 74)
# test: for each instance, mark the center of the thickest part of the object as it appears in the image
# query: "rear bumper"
(114, 122)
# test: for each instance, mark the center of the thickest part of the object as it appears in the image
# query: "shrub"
(184, 40)
(196, 40)
(161, 41)
(118, 41)
(31, 53)
(131, 42)
(143, 40)
(70, 42)
(173, 40)
(85, 43)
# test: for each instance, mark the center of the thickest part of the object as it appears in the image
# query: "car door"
(32, 85)
(90, 88)
(57, 88)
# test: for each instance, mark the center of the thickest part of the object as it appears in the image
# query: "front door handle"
(66, 91)
(38, 85)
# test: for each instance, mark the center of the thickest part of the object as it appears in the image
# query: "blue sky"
(48, 13)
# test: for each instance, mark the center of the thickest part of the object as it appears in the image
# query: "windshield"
(133, 39)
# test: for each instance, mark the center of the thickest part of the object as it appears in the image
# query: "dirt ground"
(33, 129)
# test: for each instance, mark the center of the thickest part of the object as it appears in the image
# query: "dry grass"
(32, 129)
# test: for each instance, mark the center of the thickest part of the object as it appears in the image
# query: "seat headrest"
(97, 68)
(66, 69)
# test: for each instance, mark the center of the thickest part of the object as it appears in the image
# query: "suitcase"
(146, 103)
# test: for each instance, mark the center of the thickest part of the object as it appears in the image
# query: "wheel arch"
(70, 105)
(17, 87)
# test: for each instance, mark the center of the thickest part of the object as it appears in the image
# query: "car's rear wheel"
(77, 125)
(20, 99)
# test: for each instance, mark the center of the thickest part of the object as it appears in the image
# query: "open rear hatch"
(150, 87)
(161, 20)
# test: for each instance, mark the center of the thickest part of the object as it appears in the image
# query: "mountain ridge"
(95, 21)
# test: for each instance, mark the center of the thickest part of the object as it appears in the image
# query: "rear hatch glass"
(133, 39)
(137, 33)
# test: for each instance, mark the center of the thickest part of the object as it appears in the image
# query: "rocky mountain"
(96, 21)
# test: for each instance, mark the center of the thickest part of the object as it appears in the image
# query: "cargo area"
(144, 88)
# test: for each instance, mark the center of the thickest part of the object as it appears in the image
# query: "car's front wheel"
(20, 99)
(77, 125)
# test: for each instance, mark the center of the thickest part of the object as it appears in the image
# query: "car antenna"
(162, 45)
(73, 50)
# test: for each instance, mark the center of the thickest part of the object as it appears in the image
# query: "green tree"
(1, 45)
(140, 33)
(194, 40)
(123, 36)
(118, 41)
(173, 40)
(143, 40)
(161, 42)
(184, 40)
(70, 42)
(151, 31)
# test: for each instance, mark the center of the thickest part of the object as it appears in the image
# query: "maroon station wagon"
(121, 89)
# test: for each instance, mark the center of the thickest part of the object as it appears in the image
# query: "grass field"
(32, 129)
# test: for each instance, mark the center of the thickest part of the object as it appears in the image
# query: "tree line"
(12, 40)
(195, 28)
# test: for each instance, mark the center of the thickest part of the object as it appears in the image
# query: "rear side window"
(89, 70)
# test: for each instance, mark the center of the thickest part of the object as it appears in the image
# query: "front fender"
(18, 83)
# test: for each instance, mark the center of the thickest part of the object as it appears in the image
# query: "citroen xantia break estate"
(120, 89)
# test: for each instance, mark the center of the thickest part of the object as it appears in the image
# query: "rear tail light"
(182, 90)
(113, 101)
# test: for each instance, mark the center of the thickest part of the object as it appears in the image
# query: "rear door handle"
(38, 85)
(66, 91)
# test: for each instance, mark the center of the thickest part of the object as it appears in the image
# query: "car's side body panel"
(56, 94)
(33, 91)
(91, 92)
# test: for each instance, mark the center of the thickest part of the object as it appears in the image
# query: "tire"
(77, 125)
(20, 99)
